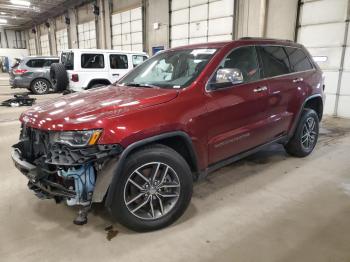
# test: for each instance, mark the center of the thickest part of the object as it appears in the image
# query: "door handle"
(115, 74)
(298, 80)
(260, 89)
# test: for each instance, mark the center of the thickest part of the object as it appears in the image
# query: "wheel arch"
(98, 81)
(314, 102)
(166, 139)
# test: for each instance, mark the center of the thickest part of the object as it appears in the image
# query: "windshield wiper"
(141, 85)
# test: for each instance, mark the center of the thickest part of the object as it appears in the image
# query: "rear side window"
(118, 61)
(36, 63)
(275, 61)
(92, 61)
(138, 59)
(48, 62)
(298, 60)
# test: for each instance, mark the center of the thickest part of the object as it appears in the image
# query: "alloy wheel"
(309, 134)
(40, 87)
(152, 190)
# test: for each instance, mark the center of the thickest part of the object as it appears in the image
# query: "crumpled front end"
(61, 172)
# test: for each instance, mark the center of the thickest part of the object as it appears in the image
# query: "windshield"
(67, 58)
(171, 69)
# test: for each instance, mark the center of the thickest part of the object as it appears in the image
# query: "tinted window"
(118, 61)
(138, 59)
(244, 59)
(48, 62)
(275, 61)
(298, 60)
(36, 63)
(68, 60)
(92, 61)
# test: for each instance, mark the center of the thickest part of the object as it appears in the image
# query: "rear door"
(93, 66)
(282, 91)
(119, 66)
(304, 77)
(237, 113)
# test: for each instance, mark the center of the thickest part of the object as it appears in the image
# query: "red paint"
(220, 123)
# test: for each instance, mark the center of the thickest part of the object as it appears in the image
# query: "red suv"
(139, 144)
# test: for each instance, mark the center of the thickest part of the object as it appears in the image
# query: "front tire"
(40, 86)
(305, 137)
(154, 189)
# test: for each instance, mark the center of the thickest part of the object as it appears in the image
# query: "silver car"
(33, 73)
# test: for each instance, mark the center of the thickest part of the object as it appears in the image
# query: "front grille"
(35, 143)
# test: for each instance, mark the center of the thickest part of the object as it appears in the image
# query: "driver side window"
(244, 59)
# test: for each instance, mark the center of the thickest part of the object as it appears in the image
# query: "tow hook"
(82, 217)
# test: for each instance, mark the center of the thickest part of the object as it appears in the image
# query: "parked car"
(33, 73)
(81, 69)
(139, 144)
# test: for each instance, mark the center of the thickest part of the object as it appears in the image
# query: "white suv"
(81, 69)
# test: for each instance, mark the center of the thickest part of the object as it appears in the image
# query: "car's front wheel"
(40, 86)
(154, 189)
(306, 134)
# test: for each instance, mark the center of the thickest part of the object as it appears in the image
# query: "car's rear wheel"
(306, 134)
(40, 86)
(154, 189)
(59, 77)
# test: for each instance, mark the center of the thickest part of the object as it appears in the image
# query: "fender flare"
(297, 118)
(120, 164)
(97, 80)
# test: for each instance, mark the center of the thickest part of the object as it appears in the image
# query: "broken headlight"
(77, 138)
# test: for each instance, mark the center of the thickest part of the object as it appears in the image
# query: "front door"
(237, 113)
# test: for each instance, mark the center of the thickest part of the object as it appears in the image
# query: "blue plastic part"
(84, 183)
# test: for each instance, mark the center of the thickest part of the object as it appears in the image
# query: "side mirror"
(232, 76)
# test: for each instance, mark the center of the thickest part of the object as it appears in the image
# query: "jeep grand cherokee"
(138, 145)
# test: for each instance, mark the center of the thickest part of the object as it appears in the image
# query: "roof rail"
(263, 38)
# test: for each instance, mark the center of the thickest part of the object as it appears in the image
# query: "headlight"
(77, 138)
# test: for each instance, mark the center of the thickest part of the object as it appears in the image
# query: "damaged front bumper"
(78, 175)
(42, 187)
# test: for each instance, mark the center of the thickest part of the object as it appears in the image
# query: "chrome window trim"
(261, 79)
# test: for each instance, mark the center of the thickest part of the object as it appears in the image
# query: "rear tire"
(163, 189)
(59, 77)
(40, 86)
(305, 137)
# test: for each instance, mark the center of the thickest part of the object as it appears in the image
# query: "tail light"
(75, 78)
(19, 72)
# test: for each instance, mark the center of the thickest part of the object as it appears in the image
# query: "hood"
(87, 109)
